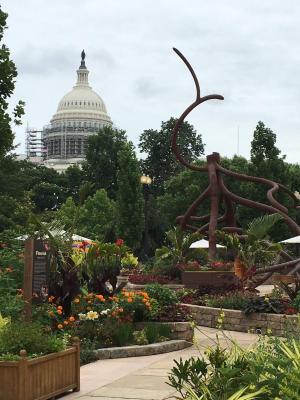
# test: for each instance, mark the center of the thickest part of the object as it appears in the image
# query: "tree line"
(114, 206)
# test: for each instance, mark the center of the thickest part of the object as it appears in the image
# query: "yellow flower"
(92, 315)
(77, 301)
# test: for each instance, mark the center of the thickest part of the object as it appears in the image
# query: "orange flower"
(100, 297)
(89, 302)
(129, 300)
(59, 312)
(9, 269)
(113, 314)
(76, 300)
(51, 314)
(50, 299)
(121, 309)
(59, 308)
(148, 304)
(60, 326)
(66, 322)
(71, 319)
(145, 301)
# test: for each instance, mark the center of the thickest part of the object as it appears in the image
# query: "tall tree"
(102, 158)
(130, 220)
(160, 162)
(8, 74)
(265, 155)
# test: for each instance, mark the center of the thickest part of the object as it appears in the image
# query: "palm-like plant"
(254, 251)
(178, 251)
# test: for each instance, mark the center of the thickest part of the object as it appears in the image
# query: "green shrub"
(163, 295)
(156, 331)
(152, 333)
(31, 337)
(268, 370)
(164, 330)
(123, 335)
(87, 354)
(232, 301)
(140, 338)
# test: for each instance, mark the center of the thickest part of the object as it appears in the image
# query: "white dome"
(81, 103)
(80, 113)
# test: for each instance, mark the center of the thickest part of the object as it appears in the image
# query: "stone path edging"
(145, 350)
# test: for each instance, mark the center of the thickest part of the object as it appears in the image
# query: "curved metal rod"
(261, 206)
(193, 207)
(180, 120)
(274, 186)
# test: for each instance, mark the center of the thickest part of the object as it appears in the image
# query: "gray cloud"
(248, 50)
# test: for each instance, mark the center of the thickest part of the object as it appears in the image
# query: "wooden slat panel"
(40, 378)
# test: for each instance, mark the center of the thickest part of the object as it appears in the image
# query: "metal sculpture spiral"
(219, 194)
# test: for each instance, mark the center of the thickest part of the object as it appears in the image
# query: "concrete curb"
(145, 350)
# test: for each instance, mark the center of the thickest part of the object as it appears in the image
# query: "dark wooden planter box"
(216, 279)
(40, 378)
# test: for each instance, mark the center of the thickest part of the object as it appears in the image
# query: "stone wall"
(235, 320)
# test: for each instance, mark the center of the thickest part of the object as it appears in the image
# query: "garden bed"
(144, 350)
(236, 320)
(42, 377)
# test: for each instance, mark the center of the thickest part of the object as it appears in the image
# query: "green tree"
(130, 221)
(8, 74)
(160, 162)
(75, 177)
(94, 219)
(97, 217)
(101, 164)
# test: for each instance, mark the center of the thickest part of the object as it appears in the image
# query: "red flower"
(83, 244)
(290, 310)
(119, 242)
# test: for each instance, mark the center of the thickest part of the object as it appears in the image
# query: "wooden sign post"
(36, 273)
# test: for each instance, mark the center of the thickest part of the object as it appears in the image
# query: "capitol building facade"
(80, 113)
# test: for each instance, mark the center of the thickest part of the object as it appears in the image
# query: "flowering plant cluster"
(124, 307)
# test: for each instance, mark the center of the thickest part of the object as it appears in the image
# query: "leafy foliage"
(130, 210)
(8, 74)
(160, 162)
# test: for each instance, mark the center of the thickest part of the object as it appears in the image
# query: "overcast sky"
(246, 50)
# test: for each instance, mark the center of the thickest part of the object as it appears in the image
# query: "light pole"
(146, 182)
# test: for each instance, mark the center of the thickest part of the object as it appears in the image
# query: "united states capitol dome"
(81, 102)
(80, 113)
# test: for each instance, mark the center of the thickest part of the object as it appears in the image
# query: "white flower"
(82, 317)
(91, 315)
(105, 312)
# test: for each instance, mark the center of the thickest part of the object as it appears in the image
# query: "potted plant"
(178, 252)
(32, 362)
(254, 250)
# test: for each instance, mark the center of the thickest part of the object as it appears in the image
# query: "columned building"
(80, 113)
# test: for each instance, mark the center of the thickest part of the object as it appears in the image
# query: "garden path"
(144, 378)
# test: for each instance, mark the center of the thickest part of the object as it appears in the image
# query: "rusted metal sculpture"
(220, 195)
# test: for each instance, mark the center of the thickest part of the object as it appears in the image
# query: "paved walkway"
(144, 378)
